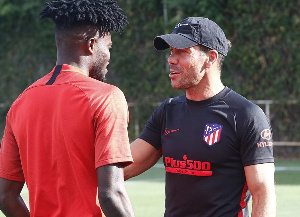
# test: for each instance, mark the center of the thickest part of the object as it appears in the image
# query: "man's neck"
(79, 65)
(203, 92)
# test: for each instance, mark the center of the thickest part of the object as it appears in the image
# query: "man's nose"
(172, 59)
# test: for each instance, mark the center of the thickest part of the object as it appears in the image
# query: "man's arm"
(112, 194)
(260, 181)
(11, 202)
(144, 157)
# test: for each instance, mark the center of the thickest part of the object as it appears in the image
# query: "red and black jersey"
(205, 147)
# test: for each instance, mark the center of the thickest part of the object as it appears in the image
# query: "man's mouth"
(173, 74)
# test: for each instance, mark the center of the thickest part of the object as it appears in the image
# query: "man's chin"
(98, 76)
(102, 79)
(176, 87)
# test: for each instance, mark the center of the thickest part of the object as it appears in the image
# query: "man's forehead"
(188, 48)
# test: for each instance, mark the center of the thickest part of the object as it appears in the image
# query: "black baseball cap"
(193, 31)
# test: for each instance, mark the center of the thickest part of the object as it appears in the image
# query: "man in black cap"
(216, 145)
(66, 135)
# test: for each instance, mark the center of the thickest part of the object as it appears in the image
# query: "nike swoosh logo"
(167, 132)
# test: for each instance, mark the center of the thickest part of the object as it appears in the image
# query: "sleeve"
(153, 128)
(10, 162)
(111, 124)
(256, 137)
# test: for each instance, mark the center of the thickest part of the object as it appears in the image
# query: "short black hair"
(221, 57)
(67, 14)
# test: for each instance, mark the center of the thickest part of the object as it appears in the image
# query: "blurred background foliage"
(263, 64)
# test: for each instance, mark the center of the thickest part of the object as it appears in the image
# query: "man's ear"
(91, 45)
(212, 57)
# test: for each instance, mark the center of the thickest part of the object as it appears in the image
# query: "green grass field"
(147, 190)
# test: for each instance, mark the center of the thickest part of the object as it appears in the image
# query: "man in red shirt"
(66, 135)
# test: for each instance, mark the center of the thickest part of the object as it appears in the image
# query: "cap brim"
(177, 41)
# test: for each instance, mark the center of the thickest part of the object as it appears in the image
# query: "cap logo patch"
(181, 24)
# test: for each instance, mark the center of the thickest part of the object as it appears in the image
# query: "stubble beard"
(186, 82)
(98, 74)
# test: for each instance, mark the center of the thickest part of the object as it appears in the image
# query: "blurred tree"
(27, 47)
(264, 62)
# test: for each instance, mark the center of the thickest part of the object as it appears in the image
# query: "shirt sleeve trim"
(125, 160)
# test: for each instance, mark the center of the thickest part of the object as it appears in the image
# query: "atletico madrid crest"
(212, 133)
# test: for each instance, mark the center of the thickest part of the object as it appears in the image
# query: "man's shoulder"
(95, 85)
(237, 100)
(162, 107)
(241, 105)
(175, 100)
